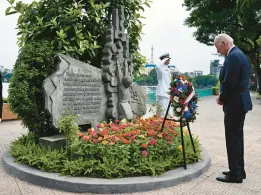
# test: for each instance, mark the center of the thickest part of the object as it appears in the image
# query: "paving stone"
(209, 127)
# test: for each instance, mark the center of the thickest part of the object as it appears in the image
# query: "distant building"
(215, 68)
(195, 73)
(198, 73)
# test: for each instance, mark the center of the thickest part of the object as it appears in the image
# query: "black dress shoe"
(229, 179)
(228, 173)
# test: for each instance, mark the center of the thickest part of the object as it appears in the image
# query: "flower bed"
(121, 149)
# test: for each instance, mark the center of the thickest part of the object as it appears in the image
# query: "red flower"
(125, 141)
(152, 142)
(181, 101)
(99, 126)
(151, 133)
(167, 138)
(104, 132)
(144, 145)
(95, 141)
(144, 153)
(170, 142)
(86, 138)
(117, 121)
(114, 128)
(94, 134)
(176, 92)
(165, 133)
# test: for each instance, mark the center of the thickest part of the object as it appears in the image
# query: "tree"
(241, 4)
(237, 18)
(6, 74)
(153, 75)
(150, 79)
(74, 27)
(35, 62)
(77, 27)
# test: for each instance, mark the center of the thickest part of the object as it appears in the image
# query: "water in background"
(151, 94)
(5, 90)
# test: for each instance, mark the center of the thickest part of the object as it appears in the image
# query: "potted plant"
(216, 89)
(7, 114)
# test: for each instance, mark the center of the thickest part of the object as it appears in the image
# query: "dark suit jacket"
(234, 83)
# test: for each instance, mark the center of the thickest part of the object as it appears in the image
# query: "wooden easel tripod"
(181, 122)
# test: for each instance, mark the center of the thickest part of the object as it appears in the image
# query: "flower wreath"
(184, 98)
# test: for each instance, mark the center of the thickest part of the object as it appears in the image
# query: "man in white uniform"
(164, 78)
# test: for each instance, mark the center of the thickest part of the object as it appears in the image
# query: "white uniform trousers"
(163, 103)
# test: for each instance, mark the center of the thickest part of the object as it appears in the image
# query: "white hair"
(223, 37)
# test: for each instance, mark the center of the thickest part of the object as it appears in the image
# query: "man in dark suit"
(236, 101)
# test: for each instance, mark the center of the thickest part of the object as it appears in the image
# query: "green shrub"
(26, 151)
(35, 62)
(68, 126)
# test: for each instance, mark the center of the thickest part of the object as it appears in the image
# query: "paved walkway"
(209, 127)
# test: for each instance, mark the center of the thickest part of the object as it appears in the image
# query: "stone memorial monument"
(95, 94)
(76, 88)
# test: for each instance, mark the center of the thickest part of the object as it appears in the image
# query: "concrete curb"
(102, 186)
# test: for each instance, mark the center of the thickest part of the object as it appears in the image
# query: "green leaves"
(84, 158)
(68, 126)
(34, 64)
(61, 34)
(11, 1)
(39, 20)
(8, 12)
(57, 20)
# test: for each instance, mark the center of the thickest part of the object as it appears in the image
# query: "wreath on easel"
(183, 98)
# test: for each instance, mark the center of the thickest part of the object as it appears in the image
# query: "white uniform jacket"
(163, 76)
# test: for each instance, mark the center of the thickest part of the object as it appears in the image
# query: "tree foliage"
(6, 74)
(241, 19)
(204, 81)
(77, 27)
(150, 79)
(35, 62)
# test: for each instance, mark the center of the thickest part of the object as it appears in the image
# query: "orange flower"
(89, 131)
(160, 135)
(86, 138)
(125, 141)
(151, 133)
(144, 145)
(104, 142)
(104, 132)
(100, 138)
